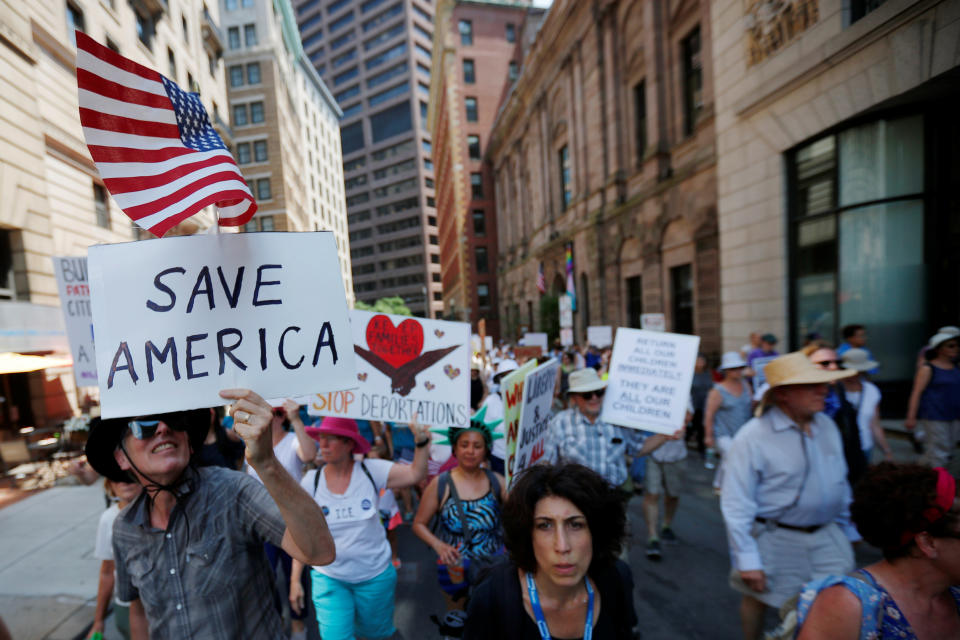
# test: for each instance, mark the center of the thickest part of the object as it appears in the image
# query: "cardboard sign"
(566, 337)
(527, 353)
(180, 318)
(538, 388)
(650, 377)
(511, 390)
(566, 311)
(653, 322)
(404, 366)
(74, 289)
(600, 336)
(536, 340)
(758, 365)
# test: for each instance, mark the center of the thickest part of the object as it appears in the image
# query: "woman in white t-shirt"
(354, 596)
(121, 494)
(865, 397)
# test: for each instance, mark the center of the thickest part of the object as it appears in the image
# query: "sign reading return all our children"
(538, 387)
(405, 366)
(650, 376)
(178, 319)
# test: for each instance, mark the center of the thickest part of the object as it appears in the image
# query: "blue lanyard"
(541, 620)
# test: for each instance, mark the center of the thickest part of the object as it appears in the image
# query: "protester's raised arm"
(307, 537)
(407, 475)
(306, 446)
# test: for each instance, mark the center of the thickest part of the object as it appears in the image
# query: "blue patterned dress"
(881, 618)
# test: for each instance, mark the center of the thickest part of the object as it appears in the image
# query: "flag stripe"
(92, 55)
(115, 99)
(112, 155)
(169, 204)
(119, 124)
(229, 211)
(215, 190)
(160, 166)
(162, 227)
(156, 196)
(93, 67)
(142, 184)
(101, 138)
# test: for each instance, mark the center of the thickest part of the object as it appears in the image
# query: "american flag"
(153, 143)
(541, 280)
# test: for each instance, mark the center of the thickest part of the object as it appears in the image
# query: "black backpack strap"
(442, 481)
(494, 483)
(316, 480)
(366, 471)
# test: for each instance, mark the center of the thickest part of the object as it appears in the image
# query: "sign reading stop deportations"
(650, 376)
(178, 319)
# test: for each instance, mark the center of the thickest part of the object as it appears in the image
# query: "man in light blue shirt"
(785, 497)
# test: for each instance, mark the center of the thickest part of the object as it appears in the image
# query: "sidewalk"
(48, 575)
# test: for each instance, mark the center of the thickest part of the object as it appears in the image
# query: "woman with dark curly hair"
(563, 527)
(912, 514)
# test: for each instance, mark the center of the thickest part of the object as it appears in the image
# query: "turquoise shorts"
(346, 610)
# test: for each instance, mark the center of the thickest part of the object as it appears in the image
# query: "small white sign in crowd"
(74, 288)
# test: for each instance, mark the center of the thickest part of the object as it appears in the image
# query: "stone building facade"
(476, 58)
(606, 143)
(837, 168)
(52, 199)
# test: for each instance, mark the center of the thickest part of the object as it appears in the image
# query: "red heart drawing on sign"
(396, 345)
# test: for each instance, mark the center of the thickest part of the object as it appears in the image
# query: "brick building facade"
(476, 58)
(606, 143)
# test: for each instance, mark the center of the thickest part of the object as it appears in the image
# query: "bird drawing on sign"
(403, 378)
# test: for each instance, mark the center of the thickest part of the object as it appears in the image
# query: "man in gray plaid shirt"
(579, 435)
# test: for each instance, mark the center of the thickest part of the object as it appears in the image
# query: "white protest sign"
(566, 336)
(653, 322)
(650, 377)
(600, 336)
(75, 301)
(538, 387)
(536, 340)
(405, 366)
(758, 365)
(180, 318)
(566, 311)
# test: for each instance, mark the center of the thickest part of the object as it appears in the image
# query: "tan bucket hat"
(796, 368)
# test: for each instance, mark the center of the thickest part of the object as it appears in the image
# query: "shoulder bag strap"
(494, 484)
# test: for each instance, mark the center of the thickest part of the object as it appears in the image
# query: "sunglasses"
(826, 363)
(588, 395)
(144, 428)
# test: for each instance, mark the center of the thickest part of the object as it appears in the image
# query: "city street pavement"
(48, 576)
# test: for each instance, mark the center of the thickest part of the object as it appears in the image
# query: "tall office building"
(286, 125)
(375, 55)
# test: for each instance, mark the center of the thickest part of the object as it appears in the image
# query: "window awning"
(20, 363)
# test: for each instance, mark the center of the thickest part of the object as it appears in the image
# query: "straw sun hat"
(796, 368)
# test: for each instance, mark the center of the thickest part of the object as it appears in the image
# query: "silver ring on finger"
(241, 416)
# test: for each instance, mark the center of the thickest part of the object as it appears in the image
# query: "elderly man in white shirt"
(785, 497)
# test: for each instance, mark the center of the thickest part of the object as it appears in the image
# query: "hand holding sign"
(252, 416)
(420, 431)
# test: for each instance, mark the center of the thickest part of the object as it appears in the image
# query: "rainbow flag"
(571, 288)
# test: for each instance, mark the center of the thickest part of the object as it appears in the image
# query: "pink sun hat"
(343, 427)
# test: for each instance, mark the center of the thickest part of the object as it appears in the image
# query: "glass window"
(384, 36)
(263, 189)
(339, 23)
(74, 22)
(423, 32)
(426, 146)
(427, 164)
(312, 21)
(423, 51)
(476, 186)
(479, 223)
(640, 121)
(236, 75)
(466, 32)
(239, 115)
(391, 53)
(483, 264)
(351, 137)
(250, 35)
(860, 8)
(634, 301)
(233, 37)
(253, 73)
(566, 186)
(473, 147)
(370, 5)
(681, 287)
(247, 4)
(307, 6)
(379, 19)
(101, 205)
(423, 14)
(256, 112)
(333, 7)
(243, 153)
(260, 151)
(266, 223)
(339, 41)
(511, 32)
(471, 107)
(314, 38)
(423, 89)
(349, 74)
(392, 92)
(513, 71)
(231, 5)
(692, 81)
(384, 76)
(483, 295)
(147, 28)
(469, 73)
(352, 110)
(347, 93)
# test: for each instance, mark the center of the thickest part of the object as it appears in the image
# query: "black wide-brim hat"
(105, 437)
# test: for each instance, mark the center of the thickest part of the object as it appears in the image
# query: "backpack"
(789, 627)
(316, 480)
